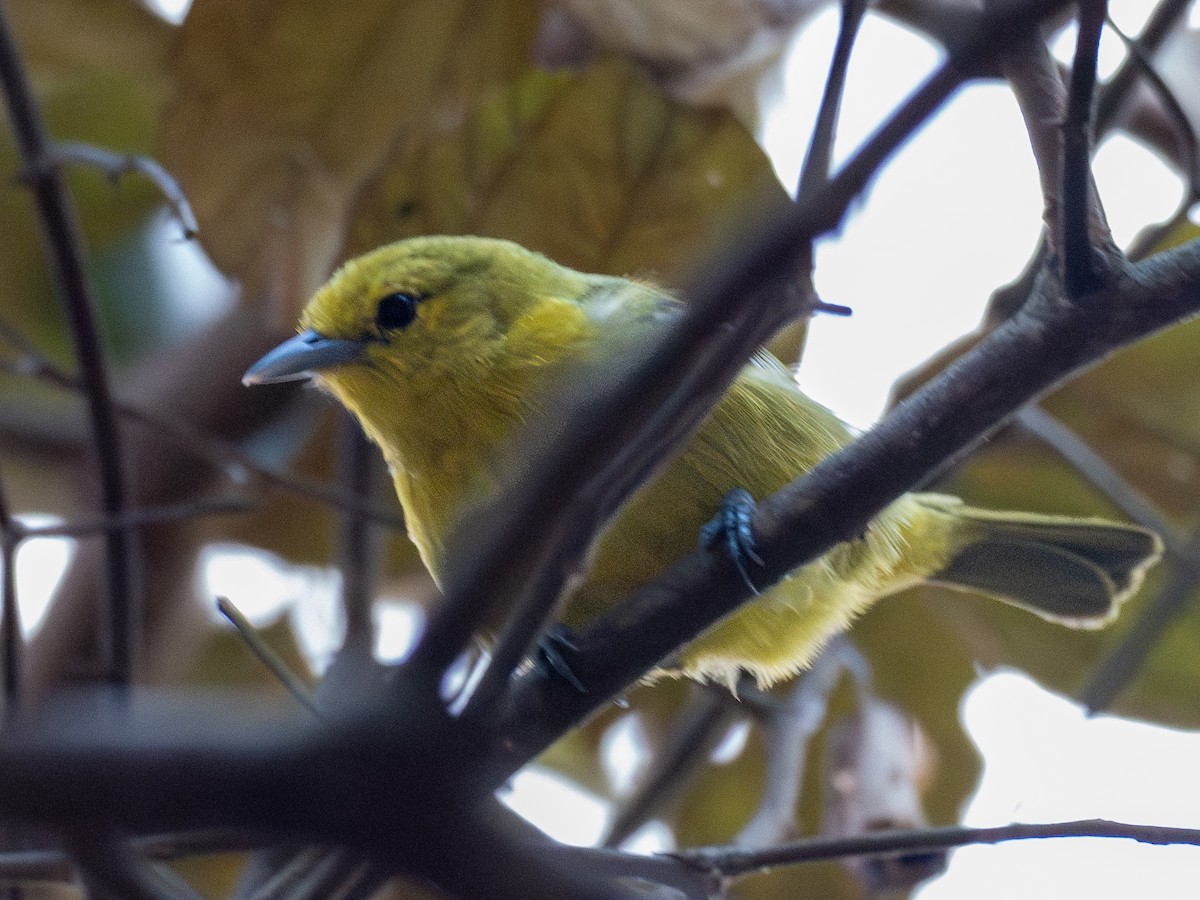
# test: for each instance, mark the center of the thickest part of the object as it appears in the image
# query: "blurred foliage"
(637, 183)
(284, 109)
(304, 132)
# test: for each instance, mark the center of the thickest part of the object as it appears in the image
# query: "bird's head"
(429, 324)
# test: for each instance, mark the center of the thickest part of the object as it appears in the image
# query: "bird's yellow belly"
(779, 632)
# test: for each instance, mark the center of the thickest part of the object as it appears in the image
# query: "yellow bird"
(446, 349)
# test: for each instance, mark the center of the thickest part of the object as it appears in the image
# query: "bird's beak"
(301, 356)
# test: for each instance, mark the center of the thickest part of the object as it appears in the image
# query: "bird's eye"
(396, 311)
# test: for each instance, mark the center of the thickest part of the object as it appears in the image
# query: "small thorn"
(833, 309)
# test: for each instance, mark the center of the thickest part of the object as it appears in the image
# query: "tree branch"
(818, 161)
(1050, 339)
(268, 657)
(361, 541)
(1082, 223)
(114, 165)
(729, 862)
(66, 261)
(10, 615)
(223, 454)
(612, 437)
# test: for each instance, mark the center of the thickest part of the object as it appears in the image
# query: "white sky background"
(954, 216)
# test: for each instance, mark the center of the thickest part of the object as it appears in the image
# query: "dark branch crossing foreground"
(114, 773)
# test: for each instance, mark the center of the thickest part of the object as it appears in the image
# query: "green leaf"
(286, 108)
(600, 171)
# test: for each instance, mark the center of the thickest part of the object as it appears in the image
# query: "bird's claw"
(733, 523)
(551, 658)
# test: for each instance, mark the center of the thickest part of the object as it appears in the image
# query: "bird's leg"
(733, 525)
(551, 657)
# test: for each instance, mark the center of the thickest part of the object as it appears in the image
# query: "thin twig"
(140, 518)
(225, 455)
(1080, 208)
(789, 727)
(1189, 155)
(818, 160)
(66, 261)
(1113, 94)
(11, 532)
(268, 657)
(730, 862)
(1159, 26)
(114, 165)
(703, 718)
(361, 541)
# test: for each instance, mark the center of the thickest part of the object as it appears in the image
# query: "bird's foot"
(552, 652)
(733, 525)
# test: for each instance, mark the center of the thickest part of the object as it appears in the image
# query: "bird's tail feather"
(1074, 571)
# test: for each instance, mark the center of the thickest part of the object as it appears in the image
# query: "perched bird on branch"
(448, 349)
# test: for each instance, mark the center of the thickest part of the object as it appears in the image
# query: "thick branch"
(612, 438)
(1026, 357)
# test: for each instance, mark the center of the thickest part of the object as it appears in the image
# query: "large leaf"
(285, 108)
(62, 40)
(600, 171)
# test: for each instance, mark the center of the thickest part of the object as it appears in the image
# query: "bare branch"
(1113, 94)
(114, 165)
(138, 518)
(225, 455)
(361, 542)
(11, 644)
(789, 726)
(1162, 22)
(818, 162)
(268, 657)
(1082, 220)
(699, 723)
(1189, 151)
(65, 258)
(732, 862)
